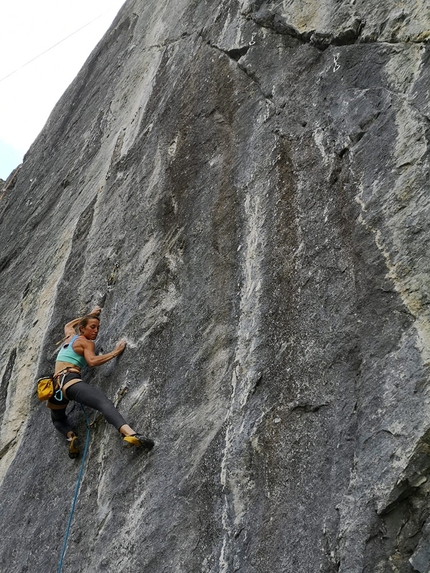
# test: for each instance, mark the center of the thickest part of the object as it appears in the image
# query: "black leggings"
(90, 396)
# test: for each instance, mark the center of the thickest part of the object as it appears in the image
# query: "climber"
(76, 352)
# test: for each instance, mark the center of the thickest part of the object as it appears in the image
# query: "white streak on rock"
(243, 376)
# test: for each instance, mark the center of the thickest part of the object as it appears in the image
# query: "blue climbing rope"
(75, 497)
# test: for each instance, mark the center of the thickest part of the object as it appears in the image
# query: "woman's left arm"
(88, 349)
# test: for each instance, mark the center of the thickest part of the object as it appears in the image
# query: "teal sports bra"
(67, 354)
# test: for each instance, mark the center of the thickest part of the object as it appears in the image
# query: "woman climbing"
(78, 350)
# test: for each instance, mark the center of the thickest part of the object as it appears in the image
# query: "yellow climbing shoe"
(73, 447)
(139, 441)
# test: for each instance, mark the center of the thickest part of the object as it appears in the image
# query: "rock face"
(243, 186)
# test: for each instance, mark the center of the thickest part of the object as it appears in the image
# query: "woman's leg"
(58, 404)
(93, 397)
(61, 423)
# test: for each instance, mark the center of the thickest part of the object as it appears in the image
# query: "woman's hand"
(96, 310)
(119, 348)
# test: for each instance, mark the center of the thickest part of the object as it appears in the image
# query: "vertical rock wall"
(243, 186)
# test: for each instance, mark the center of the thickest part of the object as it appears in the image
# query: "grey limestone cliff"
(243, 185)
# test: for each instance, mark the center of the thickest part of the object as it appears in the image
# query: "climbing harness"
(59, 391)
(50, 387)
(75, 497)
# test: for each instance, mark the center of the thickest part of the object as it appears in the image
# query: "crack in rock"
(236, 54)
(350, 33)
(321, 40)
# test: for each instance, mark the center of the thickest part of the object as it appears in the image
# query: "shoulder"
(84, 342)
(82, 346)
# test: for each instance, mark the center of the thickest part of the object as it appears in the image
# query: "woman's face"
(91, 330)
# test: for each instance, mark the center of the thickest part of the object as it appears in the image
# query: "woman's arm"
(69, 328)
(90, 356)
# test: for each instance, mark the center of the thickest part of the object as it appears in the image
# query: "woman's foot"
(73, 446)
(139, 441)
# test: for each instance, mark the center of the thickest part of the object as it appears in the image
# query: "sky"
(43, 45)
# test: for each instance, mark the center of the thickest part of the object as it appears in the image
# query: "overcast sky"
(31, 90)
